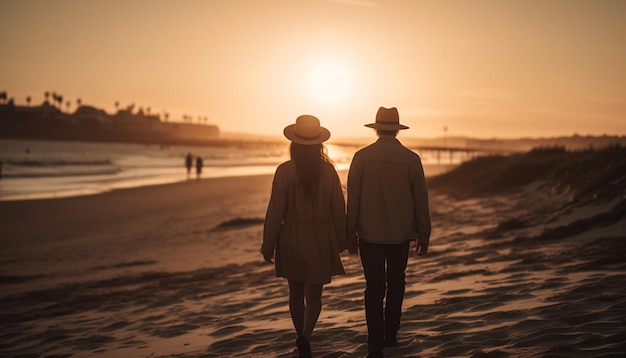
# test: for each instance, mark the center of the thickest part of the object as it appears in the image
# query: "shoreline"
(430, 169)
(128, 186)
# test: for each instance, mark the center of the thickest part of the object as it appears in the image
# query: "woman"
(305, 225)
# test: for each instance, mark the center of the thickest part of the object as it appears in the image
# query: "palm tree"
(3, 97)
(28, 100)
(47, 95)
(58, 99)
(117, 105)
(78, 103)
(67, 104)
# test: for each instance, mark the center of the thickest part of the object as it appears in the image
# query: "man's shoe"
(375, 353)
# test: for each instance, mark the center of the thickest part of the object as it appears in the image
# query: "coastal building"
(89, 123)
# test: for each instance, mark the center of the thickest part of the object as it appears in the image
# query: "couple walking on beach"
(306, 225)
(189, 163)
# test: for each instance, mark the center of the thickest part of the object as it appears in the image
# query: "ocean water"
(47, 169)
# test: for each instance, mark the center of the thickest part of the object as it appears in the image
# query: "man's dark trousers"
(384, 266)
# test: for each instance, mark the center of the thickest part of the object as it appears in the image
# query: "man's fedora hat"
(306, 130)
(387, 119)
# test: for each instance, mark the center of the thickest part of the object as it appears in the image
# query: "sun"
(329, 82)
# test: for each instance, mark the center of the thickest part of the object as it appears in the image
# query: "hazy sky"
(486, 69)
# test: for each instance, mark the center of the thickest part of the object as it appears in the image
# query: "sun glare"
(329, 82)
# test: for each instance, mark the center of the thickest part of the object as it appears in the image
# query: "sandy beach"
(531, 265)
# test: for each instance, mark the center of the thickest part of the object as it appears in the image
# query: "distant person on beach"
(189, 163)
(199, 164)
(305, 225)
(387, 209)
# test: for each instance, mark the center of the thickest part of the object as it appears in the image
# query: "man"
(387, 209)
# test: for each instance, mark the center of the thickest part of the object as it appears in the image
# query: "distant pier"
(450, 155)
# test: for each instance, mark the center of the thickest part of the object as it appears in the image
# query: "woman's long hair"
(309, 160)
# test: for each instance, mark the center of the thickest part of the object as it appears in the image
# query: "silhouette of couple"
(189, 163)
(306, 225)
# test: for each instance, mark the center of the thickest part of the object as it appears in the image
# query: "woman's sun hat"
(306, 130)
(387, 119)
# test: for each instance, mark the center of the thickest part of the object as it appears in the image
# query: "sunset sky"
(500, 68)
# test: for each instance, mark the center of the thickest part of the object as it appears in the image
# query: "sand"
(174, 271)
